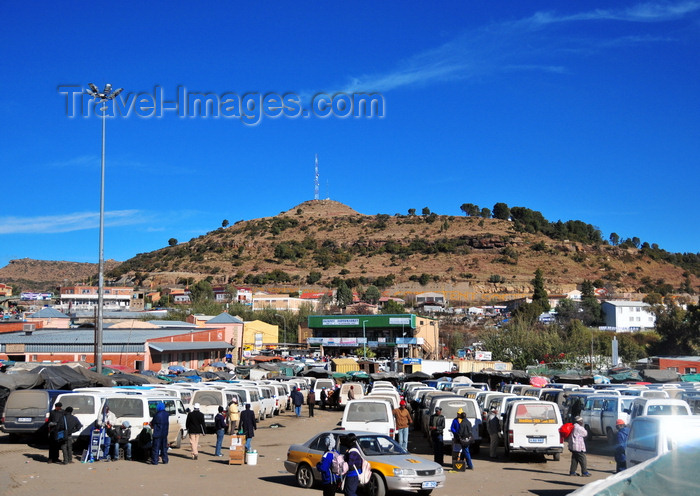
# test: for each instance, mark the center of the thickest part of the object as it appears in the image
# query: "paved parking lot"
(26, 473)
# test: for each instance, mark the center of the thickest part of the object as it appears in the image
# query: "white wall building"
(628, 315)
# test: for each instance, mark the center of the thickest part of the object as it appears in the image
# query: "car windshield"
(367, 412)
(374, 445)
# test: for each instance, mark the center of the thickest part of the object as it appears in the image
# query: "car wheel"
(556, 457)
(305, 476)
(376, 485)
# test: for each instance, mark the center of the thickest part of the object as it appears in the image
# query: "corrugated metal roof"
(80, 336)
(172, 323)
(189, 345)
(224, 318)
(48, 313)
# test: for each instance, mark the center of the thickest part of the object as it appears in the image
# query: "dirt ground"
(24, 470)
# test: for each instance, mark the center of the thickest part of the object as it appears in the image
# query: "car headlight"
(438, 471)
(404, 472)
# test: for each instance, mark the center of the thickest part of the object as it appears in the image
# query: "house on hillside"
(628, 315)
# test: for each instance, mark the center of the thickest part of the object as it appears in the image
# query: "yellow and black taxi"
(393, 468)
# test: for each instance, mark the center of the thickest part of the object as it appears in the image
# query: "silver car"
(393, 468)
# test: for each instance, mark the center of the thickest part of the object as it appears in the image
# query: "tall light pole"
(364, 339)
(284, 320)
(104, 96)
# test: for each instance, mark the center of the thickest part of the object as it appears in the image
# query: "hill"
(319, 241)
(40, 275)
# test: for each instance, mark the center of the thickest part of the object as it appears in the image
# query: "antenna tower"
(316, 188)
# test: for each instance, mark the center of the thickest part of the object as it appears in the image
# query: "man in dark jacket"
(71, 424)
(196, 427)
(122, 435)
(324, 398)
(160, 426)
(248, 425)
(55, 424)
(436, 425)
(297, 401)
(311, 401)
(461, 430)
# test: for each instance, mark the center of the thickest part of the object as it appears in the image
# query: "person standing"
(220, 426)
(71, 424)
(160, 424)
(248, 425)
(461, 429)
(354, 460)
(329, 480)
(233, 416)
(403, 420)
(324, 398)
(122, 436)
(493, 426)
(311, 401)
(297, 401)
(106, 422)
(623, 433)
(351, 393)
(55, 418)
(436, 426)
(577, 446)
(196, 428)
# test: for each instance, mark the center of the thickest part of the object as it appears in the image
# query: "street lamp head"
(108, 88)
(93, 89)
(116, 93)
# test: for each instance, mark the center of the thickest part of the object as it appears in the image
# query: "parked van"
(329, 384)
(210, 400)
(139, 410)
(653, 436)
(533, 427)
(249, 395)
(554, 395)
(27, 411)
(450, 405)
(647, 406)
(601, 412)
(357, 390)
(87, 406)
(371, 415)
(387, 394)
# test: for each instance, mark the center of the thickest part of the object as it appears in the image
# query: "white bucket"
(251, 458)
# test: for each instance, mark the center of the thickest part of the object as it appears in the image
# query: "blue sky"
(581, 110)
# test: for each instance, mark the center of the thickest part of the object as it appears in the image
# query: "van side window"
(643, 436)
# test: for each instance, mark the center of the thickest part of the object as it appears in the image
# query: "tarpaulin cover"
(659, 375)
(672, 474)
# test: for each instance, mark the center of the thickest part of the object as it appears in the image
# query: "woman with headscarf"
(354, 460)
(234, 415)
(329, 480)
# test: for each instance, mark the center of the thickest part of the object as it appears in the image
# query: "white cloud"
(77, 221)
(510, 46)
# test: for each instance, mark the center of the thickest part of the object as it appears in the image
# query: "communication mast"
(316, 187)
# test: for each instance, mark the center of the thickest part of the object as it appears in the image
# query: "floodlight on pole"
(103, 97)
(364, 339)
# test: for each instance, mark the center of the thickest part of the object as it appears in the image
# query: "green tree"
(567, 310)
(425, 211)
(501, 211)
(392, 307)
(224, 223)
(201, 291)
(679, 329)
(172, 242)
(313, 277)
(343, 295)
(486, 213)
(371, 295)
(539, 295)
(411, 212)
(469, 209)
(614, 239)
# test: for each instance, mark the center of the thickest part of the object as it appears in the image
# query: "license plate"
(537, 440)
(209, 417)
(429, 485)
(24, 419)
